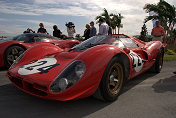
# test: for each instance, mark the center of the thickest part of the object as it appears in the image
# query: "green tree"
(166, 14)
(115, 20)
(144, 33)
(105, 15)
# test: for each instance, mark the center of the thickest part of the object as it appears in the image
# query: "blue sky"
(18, 15)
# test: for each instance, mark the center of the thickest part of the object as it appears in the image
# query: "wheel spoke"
(20, 52)
(115, 78)
(10, 58)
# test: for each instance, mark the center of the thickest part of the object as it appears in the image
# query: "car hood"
(56, 63)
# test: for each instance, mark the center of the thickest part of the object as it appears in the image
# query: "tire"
(11, 54)
(112, 80)
(159, 62)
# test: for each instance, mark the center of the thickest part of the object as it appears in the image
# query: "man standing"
(56, 33)
(158, 32)
(93, 30)
(103, 27)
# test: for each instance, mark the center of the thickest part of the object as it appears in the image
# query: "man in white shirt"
(103, 27)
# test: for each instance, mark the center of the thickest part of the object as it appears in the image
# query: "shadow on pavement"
(164, 85)
(137, 80)
(17, 104)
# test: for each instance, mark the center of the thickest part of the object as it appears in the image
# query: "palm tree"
(166, 14)
(115, 20)
(105, 15)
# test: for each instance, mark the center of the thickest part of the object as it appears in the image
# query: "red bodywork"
(95, 59)
(64, 44)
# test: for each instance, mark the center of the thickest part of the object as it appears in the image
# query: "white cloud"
(17, 8)
(132, 10)
(12, 30)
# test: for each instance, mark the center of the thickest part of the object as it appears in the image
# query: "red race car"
(12, 48)
(98, 66)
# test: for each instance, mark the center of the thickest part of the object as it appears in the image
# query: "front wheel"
(11, 54)
(112, 81)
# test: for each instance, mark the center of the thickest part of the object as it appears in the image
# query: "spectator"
(29, 31)
(110, 28)
(42, 29)
(158, 32)
(70, 29)
(57, 33)
(87, 32)
(93, 30)
(103, 27)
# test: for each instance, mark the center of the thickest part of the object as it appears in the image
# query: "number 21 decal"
(137, 61)
(40, 66)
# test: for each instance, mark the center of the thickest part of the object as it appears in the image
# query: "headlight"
(17, 60)
(68, 77)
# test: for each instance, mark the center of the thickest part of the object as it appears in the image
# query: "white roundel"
(41, 66)
(137, 61)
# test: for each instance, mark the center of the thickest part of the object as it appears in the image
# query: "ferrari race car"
(98, 66)
(13, 47)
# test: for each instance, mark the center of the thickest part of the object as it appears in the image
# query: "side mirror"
(126, 50)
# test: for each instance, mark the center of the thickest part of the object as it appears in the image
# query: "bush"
(170, 52)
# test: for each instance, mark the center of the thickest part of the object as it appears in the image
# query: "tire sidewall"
(7, 65)
(157, 65)
(103, 84)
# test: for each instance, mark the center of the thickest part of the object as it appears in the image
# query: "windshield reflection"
(98, 40)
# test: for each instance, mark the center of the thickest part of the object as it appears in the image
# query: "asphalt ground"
(146, 96)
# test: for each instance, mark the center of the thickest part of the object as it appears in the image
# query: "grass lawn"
(169, 57)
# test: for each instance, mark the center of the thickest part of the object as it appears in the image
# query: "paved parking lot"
(147, 96)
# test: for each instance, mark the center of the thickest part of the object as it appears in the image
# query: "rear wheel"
(11, 54)
(112, 81)
(159, 62)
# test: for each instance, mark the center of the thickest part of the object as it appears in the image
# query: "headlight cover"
(68, 77)
(17, 60)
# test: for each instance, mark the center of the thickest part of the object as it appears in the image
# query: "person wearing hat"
(93, 30)
(103, 27)
(158, 32)
(70, 29)
(56, 33)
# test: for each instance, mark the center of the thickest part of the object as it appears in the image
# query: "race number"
(41, 66)
(137, 61)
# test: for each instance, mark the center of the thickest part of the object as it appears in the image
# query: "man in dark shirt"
(42, 29)
(56, 33)
(93, 30)
(29, 31)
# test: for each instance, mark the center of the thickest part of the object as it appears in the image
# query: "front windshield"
(98, 40)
